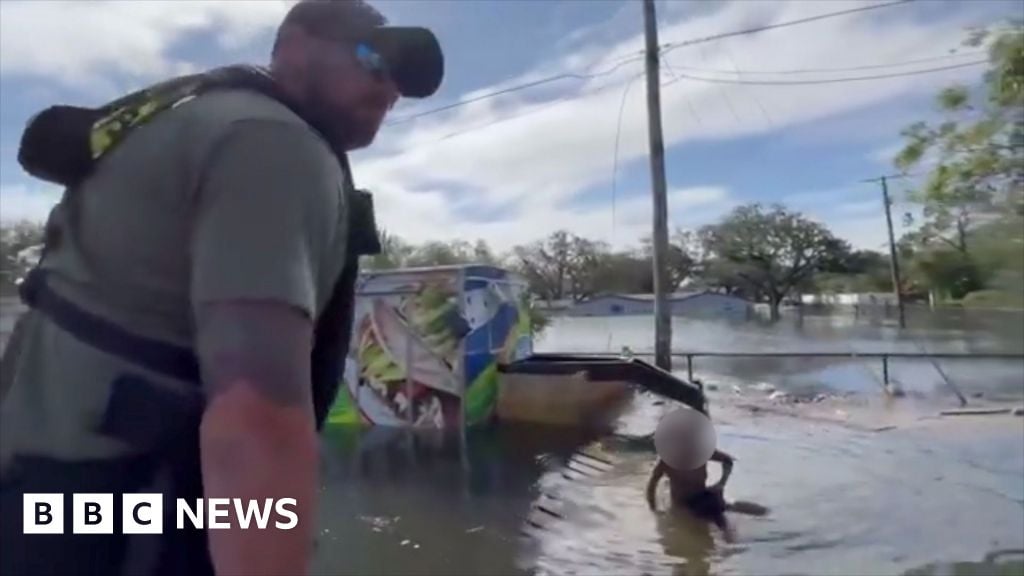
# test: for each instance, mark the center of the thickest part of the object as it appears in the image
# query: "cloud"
(532, 154)
(527, 156)
(19, 202)
(884, 155)
(74, 42)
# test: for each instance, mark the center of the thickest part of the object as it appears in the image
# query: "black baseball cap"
(413, 55)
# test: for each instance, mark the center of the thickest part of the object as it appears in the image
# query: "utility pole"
(894, 262)
(662, 313)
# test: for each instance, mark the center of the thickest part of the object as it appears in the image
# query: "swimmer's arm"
(652, 483)
(726, 461)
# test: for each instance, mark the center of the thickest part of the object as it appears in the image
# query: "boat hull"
(590, 391)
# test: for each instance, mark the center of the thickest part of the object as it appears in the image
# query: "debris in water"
(975, 411)
(405, 542)
(475, 529)
(778, 395)
(416, 546)
(764, 387)
(375, 529)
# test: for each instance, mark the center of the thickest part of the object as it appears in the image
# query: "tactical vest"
(63, 144)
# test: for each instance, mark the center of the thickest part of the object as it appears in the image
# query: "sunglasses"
(372, 61)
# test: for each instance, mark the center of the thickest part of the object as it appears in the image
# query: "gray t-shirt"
(227, 196)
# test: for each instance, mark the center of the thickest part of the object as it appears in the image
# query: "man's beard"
(338, 124)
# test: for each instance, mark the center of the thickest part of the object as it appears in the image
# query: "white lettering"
(283, 511)
(218, 508)
(244, 515)
(195, 515)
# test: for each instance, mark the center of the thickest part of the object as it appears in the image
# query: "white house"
(693, 304)
(851, 299)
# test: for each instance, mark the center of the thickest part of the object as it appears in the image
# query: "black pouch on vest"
(146, 415)
(55, 144)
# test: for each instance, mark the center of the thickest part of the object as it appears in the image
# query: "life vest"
(63, 144)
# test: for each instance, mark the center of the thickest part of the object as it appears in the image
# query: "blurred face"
(346, 91)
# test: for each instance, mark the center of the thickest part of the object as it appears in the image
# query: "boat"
(452, 347)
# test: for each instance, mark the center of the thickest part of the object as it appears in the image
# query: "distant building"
(850, 299)
(709, 305)
(552, 306)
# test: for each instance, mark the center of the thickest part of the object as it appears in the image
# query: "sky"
(571, 154)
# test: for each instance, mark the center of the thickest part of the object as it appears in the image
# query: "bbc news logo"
(143, 513)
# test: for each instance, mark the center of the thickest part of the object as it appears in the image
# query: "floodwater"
(855, 483)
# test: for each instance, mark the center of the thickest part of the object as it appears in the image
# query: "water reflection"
(528, 500)
(688, 539)
(398, 501)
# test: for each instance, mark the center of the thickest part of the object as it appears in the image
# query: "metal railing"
(883, 356)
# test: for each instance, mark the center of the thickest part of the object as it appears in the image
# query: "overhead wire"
(664, 48)
(790, 71)
(684, 76)
(676, 45)
(615, 157)
(517, 88)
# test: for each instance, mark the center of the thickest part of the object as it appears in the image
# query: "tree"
(395, 253)
(769, 251)
(681, 262)
(950, 273)
(980, 170)
(15, 239)
(563, 265)
(627, 272)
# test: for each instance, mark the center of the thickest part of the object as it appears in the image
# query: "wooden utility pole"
(894, 263)
(662, 312)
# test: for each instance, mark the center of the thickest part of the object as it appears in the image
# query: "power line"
(516, 88)
(837, 69)
(674, 45)
(683, 76)
(618, 135)
(637, 56)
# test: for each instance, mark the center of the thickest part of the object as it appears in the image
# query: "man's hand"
(257, 437)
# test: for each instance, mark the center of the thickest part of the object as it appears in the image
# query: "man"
(187, 288)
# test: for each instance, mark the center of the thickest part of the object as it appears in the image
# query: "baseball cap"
(412, 54)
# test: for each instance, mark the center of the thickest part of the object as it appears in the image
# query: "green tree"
(977, 146)
(770, 251)
(949, 273)
(626, 272)
(562, 266)
(682, 263)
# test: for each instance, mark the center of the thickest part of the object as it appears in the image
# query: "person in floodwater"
(685, 442)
